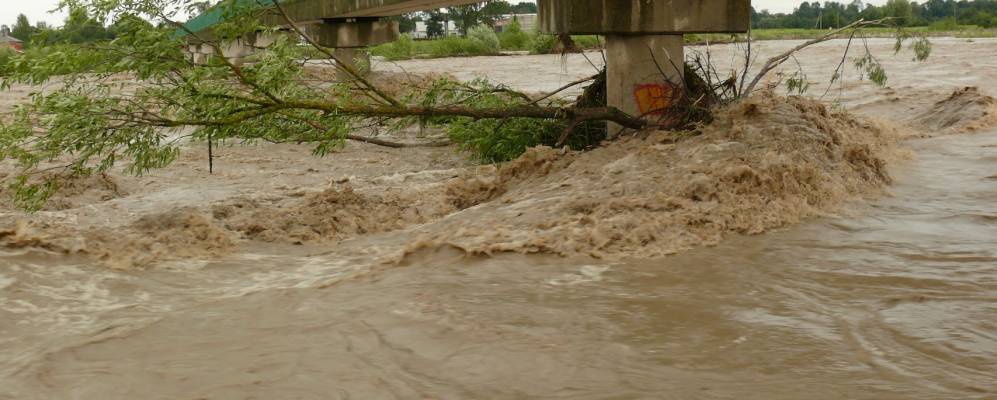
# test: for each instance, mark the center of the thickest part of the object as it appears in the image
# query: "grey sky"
(37, 10)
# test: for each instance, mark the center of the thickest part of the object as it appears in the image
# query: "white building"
(528, 22)
(422, 30)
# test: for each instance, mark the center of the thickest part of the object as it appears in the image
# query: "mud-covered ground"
(274, 218)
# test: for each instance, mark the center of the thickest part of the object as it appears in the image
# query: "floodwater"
(894, 299)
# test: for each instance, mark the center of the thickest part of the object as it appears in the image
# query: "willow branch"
(381, 111)
(339, 63)
(357, 138)
(563, 88)
(774, 62)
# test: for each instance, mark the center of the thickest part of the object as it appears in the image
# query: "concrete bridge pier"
(350, 37)
(235, 50)
(640, 77)
(644, 43)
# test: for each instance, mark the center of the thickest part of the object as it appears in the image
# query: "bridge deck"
(309, 11)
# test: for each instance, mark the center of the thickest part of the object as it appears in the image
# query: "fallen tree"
(139, 98)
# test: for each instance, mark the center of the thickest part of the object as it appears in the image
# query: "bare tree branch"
(774, 62)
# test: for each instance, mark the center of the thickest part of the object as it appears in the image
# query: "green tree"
(406, 22)
(79, 27)
(198, 7)
(908, 13)
(900, 10)
(524, 8)
(513, 37)
(434, 24)
(471, 15)
(22, 29)
(87, 123)
(6, 54)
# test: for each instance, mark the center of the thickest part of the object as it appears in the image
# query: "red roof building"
(10, 42)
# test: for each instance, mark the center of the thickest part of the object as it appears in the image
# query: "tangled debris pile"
(762, 164)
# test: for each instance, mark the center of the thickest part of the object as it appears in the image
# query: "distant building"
(9, 42)
(528, 22)
(422, 30)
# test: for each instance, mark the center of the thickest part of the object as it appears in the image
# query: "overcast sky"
(37, 10)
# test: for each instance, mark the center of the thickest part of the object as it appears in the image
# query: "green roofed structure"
(216, 15)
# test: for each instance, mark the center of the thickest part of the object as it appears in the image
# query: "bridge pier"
(640, 77)
(235, 50)
(350, 37)
(644, 43)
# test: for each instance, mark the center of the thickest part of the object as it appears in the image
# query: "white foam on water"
(585, 274)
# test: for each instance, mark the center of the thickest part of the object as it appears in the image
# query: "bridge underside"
(316, 11)
(313, 10)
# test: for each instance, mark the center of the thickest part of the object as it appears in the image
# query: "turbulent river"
(895, 298)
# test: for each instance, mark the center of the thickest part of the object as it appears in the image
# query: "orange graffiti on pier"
(654, 98)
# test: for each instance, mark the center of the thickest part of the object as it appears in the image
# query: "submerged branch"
(611, 114)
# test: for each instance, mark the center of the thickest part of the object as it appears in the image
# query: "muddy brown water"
(894, 299)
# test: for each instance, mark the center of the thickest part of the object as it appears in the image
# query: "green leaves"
(920, 44)
(497, 140)
(137, 100)
(870, 68)
(922, 48)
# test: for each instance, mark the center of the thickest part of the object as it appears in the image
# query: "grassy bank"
(935, 30)
(482, 44)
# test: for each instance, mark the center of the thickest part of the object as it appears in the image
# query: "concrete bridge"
(641, 35)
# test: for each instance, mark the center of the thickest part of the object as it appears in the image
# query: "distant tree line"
(944, 13)
(78, 27)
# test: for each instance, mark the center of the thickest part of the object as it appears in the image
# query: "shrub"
(486, 35)
(498, 140)
(588, 41)
(989, 23)
(401, 49)
(5, 56)
(513, 38)
(543, 44)
(458, 46)
(947, 24)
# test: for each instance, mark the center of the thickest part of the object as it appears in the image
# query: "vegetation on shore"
(480, 41)
(935, 30)
(407, 48)
(904, 13)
